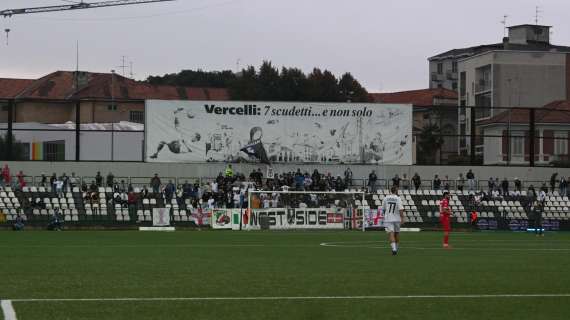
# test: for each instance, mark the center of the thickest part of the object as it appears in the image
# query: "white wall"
(138, 169)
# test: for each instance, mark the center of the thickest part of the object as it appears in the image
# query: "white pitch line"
(391, 297)
(8, 310)
(348, 245)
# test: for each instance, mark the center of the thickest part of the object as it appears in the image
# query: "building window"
(454, 86)
(112, 107)
(454, 66)
(463, 83)
(136, 116)
(517, 145)
(561, 143)
(440, 68)
(54, 150)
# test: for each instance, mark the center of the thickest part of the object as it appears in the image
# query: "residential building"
(525, 70)
(507, 136)
(102, 97)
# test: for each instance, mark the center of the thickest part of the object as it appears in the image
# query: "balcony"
(482, 86)
(436, 77)
(450, 75)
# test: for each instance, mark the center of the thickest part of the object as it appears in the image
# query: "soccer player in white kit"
(393, 211)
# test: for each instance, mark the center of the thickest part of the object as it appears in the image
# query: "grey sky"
(384, 43)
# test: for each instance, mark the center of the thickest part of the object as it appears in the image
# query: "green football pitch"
(282, 275)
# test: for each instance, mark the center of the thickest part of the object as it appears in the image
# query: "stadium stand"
(123, 204)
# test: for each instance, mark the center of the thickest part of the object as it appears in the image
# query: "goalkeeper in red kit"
(445, 218)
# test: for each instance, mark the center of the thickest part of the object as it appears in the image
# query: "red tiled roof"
(423, 97)
(554, 112)
(9, 88)
(60, 85)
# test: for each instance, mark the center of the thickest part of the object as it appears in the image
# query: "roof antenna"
(537, 14)
(504, 22)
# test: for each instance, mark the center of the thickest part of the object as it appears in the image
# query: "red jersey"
(444, 208)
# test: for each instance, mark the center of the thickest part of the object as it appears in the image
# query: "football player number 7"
(392, 207)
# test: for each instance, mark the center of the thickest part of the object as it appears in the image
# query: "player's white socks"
(394, 246)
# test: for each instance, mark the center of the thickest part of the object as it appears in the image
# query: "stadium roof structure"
(557, 112)
(419, 98)
(72, 85)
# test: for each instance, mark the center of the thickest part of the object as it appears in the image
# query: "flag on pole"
(256, 150)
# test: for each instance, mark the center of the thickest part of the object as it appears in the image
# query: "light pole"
(112, 109)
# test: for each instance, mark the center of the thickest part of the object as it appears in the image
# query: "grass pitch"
(284, 275)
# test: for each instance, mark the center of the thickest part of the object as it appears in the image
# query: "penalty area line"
(8, 310)
(372, 297)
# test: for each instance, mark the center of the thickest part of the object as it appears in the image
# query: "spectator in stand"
(1, 179)
(405, 183)
(518, 185)
(132, 202)
(187, 189)
(372, 178)
(436, 183)
(505, 186)
(144, 193)
(308, 181)
(461, 182)
(155, 183)
(299, 180)
(531, 193)
(495, 194)
(99, 179)
(316, 177)
(348, 177)
(73, 181)
(7, 179)
(471, 184)
(21, 180)
(563, 187)
(544, 188)
(110, 180)
(417, 181)
(396, 181)
(65, 179)
(229, 171)
(43, 181)
(169, 191)
(553, 179)
(52, 180)
(491, 184)
(59, 187)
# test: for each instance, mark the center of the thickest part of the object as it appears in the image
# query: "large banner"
(285, 219)
(160, 217)
(198, 131)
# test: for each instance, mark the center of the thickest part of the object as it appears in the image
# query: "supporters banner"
(221, 219)
(278, 132)
(373, 218)
(160, 217)
(201, 217)
(290, 219)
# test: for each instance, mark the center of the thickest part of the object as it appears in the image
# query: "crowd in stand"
(229, 188)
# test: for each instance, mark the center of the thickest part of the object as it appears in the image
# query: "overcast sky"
(383, 43)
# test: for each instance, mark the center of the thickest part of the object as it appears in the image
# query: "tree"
(428, 144)
(17, 149)
(268, 84)
(351, 90)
